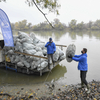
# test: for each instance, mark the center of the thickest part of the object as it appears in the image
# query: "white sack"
(37, 48)
(11, 52)
(61, 53)
(19, 47)
(32, 35)
(62, 57)
(25, 37)
(17, 59)
(44, 52)
(20, 64)
(70, 51)
(39, 53)
(56, 55)
(41, 45)
(22, 35)
(30, 52)
(33, 65)
(42, 65)
(12, 59)
(26, 64)
(28, 46)
(15, 38)
(35, 41)
(39, 61)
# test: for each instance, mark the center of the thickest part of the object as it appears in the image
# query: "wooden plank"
(30, 55)
(61, 45)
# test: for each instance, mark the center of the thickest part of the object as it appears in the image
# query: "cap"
(50, 39)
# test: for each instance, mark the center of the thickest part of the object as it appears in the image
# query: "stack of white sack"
(28, 43)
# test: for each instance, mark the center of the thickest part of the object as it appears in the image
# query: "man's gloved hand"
(49, 44)
(54, 51)
(69, 56)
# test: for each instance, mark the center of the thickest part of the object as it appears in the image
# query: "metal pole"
(40, 68)
(5, 58)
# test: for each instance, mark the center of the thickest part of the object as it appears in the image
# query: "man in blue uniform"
(51, 48)
(82, 66)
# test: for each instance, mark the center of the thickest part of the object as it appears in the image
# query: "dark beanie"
(50, 39)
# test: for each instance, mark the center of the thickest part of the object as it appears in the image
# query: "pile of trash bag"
(70, 51)
(28, 43)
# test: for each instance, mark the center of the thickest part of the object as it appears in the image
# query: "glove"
(54, 51)
(70, 56)
(49, 44)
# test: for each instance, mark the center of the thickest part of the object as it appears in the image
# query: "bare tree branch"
(42, 13)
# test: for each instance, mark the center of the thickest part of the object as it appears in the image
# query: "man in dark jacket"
(82, 66)
(51, 48)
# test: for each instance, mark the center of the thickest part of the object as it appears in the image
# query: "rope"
(47, 77)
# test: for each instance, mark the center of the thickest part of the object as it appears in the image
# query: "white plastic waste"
(20, 64)
(41, 45)
(70, 51)
(56, 55)
(42, 65)
(30, 44)
(30, 51)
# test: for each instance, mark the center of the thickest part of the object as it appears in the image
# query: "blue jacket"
(50, 48)
(82, 59)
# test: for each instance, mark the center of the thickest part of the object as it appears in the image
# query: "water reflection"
(11, 77)
(91, 34)
(47, 34)
(59, 34)
(56, 34)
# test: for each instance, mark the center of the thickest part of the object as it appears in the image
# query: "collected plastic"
(29, 44)
(70, 51)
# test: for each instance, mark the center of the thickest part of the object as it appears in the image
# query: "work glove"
(49, 44)
(70, 56)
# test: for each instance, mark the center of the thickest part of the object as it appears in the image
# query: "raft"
(24, 70)
(6, 63)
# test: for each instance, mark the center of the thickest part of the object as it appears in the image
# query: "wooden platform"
(24, 70)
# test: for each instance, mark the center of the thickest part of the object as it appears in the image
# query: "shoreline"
(49, 91)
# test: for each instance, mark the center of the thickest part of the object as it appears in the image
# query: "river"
(65, 72)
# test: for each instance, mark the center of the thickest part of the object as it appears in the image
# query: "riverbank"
(50, 91)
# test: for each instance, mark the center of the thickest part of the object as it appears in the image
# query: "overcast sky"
(81, 10)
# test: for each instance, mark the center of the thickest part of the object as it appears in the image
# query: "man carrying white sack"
(51, 48)
(82, 66)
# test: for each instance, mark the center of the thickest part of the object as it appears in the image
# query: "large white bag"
(56, 55)
(28, 46)
(70, 51)
(30, 51)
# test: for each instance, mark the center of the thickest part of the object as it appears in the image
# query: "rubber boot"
(88, 88)
(82, 84)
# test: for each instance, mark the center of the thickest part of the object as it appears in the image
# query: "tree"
(72, 24)
(80, 26)
(29, 25)
(90, 24)
(56, 21)
(12, 26)
(51, 5)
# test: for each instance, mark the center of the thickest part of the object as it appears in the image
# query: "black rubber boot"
(53, 64)
(82, 85)
(88, 88)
